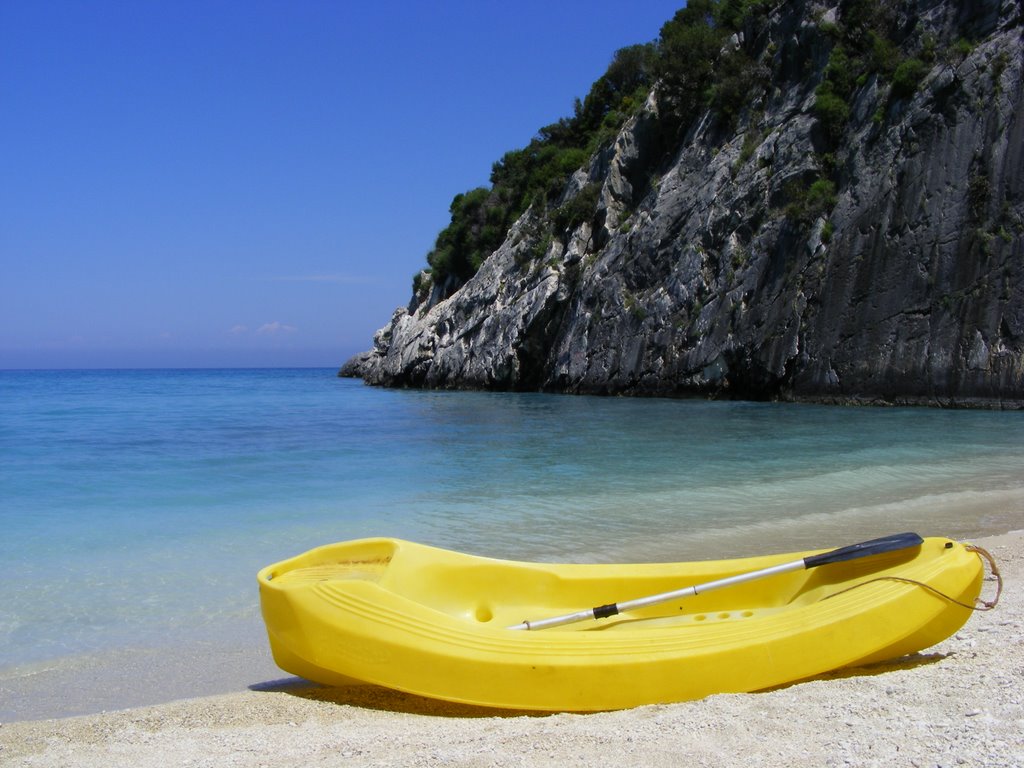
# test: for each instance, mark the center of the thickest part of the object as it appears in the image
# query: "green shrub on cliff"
(907, 77)
(697, 68)
(831, 109)
(807, 204)
(579, 209)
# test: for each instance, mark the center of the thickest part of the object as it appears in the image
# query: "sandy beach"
(959, 703)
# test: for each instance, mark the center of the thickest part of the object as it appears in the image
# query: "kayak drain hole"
(723, 615)
(483, 614)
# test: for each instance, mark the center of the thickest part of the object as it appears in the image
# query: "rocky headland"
(851, 229)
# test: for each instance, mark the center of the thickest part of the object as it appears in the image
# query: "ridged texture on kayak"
(435, 623)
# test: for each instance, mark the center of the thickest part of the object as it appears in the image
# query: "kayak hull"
(435, 623)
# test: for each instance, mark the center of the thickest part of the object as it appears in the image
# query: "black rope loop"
(980, 605)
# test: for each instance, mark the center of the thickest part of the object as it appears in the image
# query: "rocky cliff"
(782, 252)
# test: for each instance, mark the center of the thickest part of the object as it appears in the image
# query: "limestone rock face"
(706, 271)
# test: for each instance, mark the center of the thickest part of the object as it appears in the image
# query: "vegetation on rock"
(697, 69)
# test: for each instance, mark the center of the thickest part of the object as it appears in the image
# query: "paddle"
(852, 552)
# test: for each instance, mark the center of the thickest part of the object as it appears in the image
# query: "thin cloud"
(275, 328)
(238, 330)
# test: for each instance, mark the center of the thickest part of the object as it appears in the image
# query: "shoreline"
(125, 678)
(958, 702)
(350, 369)
(236, 657)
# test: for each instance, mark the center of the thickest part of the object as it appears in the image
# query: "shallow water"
(136, 506)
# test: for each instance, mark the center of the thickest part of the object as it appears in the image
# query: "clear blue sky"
(254, 183)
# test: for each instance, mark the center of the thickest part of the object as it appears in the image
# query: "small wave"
(957, 514)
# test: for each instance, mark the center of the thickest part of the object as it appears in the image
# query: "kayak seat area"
(499, 594)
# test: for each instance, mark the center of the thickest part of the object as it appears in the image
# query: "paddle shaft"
(852, 552)
(603, 611)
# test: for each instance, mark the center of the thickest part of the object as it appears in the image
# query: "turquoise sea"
(137, 506)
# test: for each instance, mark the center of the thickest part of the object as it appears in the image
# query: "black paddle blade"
(864, 549)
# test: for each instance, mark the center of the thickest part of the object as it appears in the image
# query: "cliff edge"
(853, 233)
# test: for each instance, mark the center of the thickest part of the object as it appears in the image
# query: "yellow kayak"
(470, 629)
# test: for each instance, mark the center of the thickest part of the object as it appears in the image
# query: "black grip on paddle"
(604, 611)
(864, 549)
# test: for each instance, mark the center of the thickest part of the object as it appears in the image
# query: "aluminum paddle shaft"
(603, 611)
(852, 552)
